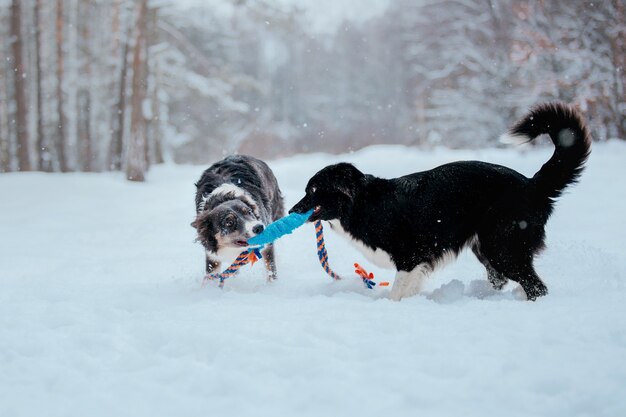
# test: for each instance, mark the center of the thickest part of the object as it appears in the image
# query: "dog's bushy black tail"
(570, 136)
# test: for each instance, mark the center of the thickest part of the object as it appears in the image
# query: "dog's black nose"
(257, 229)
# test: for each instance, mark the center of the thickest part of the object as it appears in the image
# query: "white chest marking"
(226, 255)
(377, 256)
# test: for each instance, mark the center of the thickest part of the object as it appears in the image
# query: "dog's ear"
(206, 232)
(202, 221)
(349, 179)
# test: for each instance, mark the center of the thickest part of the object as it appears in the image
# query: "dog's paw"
(397, 294)
(395, 297)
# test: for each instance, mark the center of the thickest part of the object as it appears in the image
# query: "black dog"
(415, 222)
(235, 199)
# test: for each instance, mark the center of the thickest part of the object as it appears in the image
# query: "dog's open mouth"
(316, 212)
(241, 243)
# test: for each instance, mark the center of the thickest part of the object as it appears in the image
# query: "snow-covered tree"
(575, 52)
(77, 93)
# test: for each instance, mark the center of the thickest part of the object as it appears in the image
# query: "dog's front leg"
(407, 284)
(212, 264)
(270, 262)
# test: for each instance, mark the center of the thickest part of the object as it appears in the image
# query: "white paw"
(395, 295)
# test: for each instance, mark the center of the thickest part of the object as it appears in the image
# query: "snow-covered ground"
(102, 314)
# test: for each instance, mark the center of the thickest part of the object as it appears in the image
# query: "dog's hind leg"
(270, 262)
(515, 262)
(527, 277)
(409, 283)
(496, 279)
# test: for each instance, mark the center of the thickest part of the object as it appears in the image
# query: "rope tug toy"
(276, 230)
(250, 256)
(321, 250)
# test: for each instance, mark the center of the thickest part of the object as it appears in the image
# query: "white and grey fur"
(235, 199)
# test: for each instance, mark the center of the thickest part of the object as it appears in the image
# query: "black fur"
(249, 173)
(419, 218)
(221, 217)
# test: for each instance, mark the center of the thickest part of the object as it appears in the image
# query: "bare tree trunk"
(5, 161)
(148, 116)
(61, 137)
(119, 114)
(156, 123)
(154, 151)
(100, 83)
(119, 108)
(136, 161)
(83, 102)
(154, 126)
(43, 153)
(85, 153)
(618, 49)
(71, 77)
(20, 87)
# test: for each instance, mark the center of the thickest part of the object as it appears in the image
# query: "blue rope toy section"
(280, 228)
(272, 232)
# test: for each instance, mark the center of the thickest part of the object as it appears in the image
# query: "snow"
(102, 314)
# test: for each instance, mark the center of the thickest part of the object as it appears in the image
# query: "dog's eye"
(313, 190)
(229, 223)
